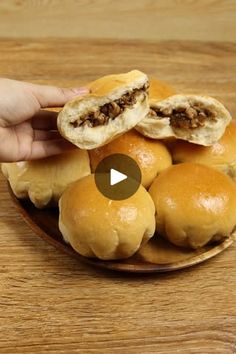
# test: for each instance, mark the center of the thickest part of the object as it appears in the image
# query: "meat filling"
(110, 111)
(185, 117)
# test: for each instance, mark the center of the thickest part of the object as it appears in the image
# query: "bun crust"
(98, 227)
(43, 181)
(104, 91)
(204, 128)
(117, 83)
(221, 155)
(159, 90)
(151, 156)
(195, 204)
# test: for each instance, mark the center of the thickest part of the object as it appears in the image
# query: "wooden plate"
(158, 255)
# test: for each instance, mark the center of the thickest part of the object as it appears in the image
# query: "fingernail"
(80, 90)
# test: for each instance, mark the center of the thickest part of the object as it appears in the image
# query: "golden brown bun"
(195, 204)
(110, 83)
(221, 155)
(96, 226)
(44, 181)
(160, 90)
(157, 89)
(152, 156)
(104, 91)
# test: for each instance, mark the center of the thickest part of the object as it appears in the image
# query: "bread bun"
(221, 155)
(115, 105)
(44, 180)
(159, 90)
(96, 226)
(198, 119)
(151, 156)
(195, 204)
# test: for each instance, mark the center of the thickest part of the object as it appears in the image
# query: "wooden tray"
(158, 255)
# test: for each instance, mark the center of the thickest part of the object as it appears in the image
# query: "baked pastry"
(198, 119)
(117, 103)
(195, 205)
(158, 91)
(96, 226)
(221, 155)
(151, 156)
(44, 180)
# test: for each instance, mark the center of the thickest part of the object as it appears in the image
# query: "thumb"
(52, 96)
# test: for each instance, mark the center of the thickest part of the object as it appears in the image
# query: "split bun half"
(198, 119)
(115, 105)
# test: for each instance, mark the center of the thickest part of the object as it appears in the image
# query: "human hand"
(26, 131)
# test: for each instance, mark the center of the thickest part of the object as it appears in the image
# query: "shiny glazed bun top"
(151, 156)
(220, 153)
(96, 226)
(195, 204)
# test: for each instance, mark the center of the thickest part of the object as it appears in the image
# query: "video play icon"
(118, 176)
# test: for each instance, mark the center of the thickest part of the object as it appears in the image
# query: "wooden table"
(143, 19)
(51, 303)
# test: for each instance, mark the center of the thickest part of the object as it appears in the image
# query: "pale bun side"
(96, 226)
(104, 91)
(207, 133)
(43, 181)
(151, 156)
(221, 155)
(195, 204)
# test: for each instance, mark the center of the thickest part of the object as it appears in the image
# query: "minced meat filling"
(109, 110)
(185, 117)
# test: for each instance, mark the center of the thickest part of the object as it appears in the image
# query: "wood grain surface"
(142, 19)
(51, 303)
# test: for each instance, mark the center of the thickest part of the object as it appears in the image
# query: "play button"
(117, 176)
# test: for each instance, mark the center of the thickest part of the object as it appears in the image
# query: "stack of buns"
(185, 194)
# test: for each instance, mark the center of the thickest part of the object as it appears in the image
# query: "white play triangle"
(116, 177)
